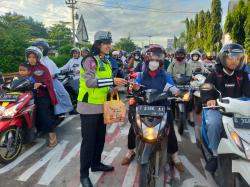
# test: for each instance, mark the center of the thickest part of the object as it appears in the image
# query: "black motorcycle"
(148, 116)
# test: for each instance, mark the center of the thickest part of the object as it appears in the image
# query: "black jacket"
(235, 86)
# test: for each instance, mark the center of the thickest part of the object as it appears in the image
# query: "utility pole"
(72, 4)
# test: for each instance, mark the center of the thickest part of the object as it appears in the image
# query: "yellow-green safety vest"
(95, 95)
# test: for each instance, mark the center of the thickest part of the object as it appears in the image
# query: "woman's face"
(105, 48)
(32, 59)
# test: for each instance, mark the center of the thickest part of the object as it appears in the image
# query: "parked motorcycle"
(149, 120)
(17, 116)
(234, 148)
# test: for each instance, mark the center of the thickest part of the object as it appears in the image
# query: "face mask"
(136, 57)
(153, 65)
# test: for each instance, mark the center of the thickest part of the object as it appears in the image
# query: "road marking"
(56, 165)
(68, 119)
(198, 177)
(78, 128)
(112, 128)
(29, 172)
(95, 176)
(209, 177)
(130, 175)
(191, 134)
(38, 145)
(178, 136)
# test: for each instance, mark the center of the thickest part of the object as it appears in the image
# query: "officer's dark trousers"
(172, 140)
(93, 139)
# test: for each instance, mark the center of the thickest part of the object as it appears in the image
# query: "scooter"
(17, 117)
(183, 84)
(149, 121)
(67, 79)
(234, 148)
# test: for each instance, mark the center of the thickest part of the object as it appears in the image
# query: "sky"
(138, 19)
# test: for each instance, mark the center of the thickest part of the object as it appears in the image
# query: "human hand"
(120, 82)
(37, 85)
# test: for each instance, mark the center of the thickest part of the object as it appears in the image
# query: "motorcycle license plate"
(151, 110)
(9, 98)
(242, 123)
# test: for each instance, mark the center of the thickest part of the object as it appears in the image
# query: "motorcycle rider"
(116, 57)
(134, 59)
(154, 77)
(74, 65)
(231, 82)
(196, 63)
(179, 67)
(85, 52)
(45, 97)
(96, 80)
(64, 102)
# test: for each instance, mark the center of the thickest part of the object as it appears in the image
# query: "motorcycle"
(67, 79)
(234, 147)
(181, 102)
(149, 120)
(17, 117)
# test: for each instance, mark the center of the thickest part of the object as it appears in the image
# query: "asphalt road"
(59, 167)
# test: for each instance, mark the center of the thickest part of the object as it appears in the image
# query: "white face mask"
(153, 65)
(195, 58)
(136, 57)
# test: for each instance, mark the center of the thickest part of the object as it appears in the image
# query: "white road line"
(191, 134)
(112, 128)
(209, 177)
(95, 176)
(38, 145)
(29, 172)
(56, 165)
(67, 120)
(130, 175)
(178, 136)
(78, 128)
(198, 177)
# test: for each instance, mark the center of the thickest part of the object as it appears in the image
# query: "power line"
(140, 8)
(72, 4)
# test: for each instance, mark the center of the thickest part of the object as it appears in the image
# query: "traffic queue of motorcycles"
(17, 113)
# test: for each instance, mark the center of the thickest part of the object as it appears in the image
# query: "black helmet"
(180, 54)
(43, 46)
(233, 51)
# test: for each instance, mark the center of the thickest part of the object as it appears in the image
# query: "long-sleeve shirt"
(74, 65)
(176, 69)
(52, 67)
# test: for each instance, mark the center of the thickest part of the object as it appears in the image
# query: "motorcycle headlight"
(150, 133)
(241, 144)
(10, 112)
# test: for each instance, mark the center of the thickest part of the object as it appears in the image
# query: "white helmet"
(34, 50)
(115, 53)
(195, 52)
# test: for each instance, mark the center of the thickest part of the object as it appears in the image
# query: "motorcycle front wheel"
(147, 173)
(181, 123)
(10, 144)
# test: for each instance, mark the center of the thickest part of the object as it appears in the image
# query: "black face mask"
(179, 58)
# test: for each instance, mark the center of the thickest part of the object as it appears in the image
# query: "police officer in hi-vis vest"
(95, 83)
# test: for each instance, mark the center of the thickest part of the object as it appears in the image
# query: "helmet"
(103, 36)
(85, 49)
(75, 49)
(43, 46)
(115, 53)
(180, 54)
(155, 52)
(33, 50)
(195, 52)
(232, 51)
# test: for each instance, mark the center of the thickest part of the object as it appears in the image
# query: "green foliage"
(125, 44)
(247, 31)
(59, 35)
(61, 59)
(14, 38)
(236, 21)
(38, 30)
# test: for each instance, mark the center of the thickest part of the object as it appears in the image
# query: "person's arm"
(170, 85)
(66, 66)
(170, 69)
(209, 95)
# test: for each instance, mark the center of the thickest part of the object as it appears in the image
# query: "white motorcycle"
(234, 148)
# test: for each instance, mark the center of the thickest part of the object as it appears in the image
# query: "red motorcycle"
(17, 116)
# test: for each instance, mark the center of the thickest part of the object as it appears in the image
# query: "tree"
(38, 29)
(59, 35)
(125, 44)
(14, 38)
(236, 21)
(247, 31)
(215, 31)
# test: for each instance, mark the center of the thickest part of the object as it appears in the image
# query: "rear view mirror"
(207, 87)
